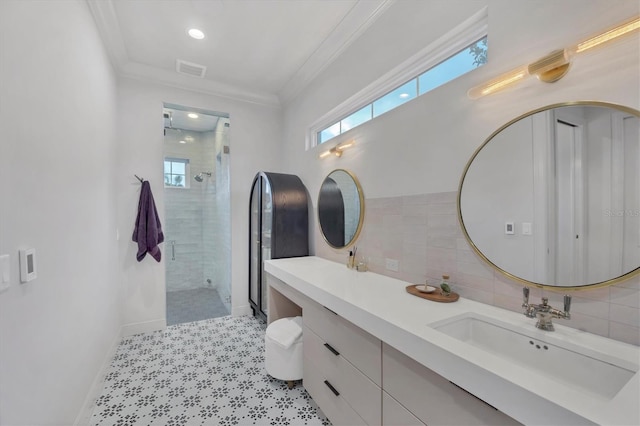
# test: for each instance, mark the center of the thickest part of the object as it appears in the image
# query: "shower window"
(176, 171)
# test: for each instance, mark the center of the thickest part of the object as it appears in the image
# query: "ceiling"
(262, 51)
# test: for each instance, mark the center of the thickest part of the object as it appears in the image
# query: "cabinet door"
(358, 390)
(254, 243)
(359, 347)
(394, 414)
(266, 236)
(332, 404)
(432, 398)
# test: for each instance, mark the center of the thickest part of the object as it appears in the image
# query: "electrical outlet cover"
(392, 264)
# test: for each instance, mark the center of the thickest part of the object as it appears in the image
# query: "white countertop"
(381, 306)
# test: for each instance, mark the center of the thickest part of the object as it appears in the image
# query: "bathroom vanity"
(374, 354)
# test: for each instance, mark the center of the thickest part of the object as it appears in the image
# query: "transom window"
(176, 171)
(465, 60)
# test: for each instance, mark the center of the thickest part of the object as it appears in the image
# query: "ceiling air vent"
(189, 68)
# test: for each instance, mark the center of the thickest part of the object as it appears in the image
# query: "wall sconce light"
(553, 66)
(337, 150)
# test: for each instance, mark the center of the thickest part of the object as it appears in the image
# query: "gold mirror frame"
(360, 218)
(518, 279)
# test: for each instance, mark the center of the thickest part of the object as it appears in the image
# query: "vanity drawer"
(356, 345)
(432, 398)
(333, 406)
(394, 414)
(358, 390)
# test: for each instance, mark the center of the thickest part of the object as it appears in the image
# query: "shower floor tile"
(194, 305)
(199, 374)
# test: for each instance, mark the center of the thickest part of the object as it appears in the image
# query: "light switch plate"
(5, 272)
(526, 228)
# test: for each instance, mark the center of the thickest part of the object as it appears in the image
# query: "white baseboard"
(144, 327)
(238, 311)
(84, 416)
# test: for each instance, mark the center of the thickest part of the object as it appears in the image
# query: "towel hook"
(139, 178)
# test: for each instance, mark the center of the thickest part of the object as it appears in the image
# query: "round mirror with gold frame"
(552, 198)
(340, 208)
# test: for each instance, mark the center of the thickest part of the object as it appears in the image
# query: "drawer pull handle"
(335, 392)
(333, 351)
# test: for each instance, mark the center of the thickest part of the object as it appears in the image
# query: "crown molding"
(142, 72)
(361, 16)
(106, 20)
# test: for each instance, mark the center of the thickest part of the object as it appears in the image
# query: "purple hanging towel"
(148, 231)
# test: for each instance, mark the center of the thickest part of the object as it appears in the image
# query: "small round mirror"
(340, 208)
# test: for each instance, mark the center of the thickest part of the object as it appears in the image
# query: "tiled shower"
(197, 222)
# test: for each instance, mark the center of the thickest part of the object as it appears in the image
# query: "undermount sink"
(557, 359)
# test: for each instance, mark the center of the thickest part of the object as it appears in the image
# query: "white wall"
(423, 145)
(254, 136)
(421, 148)
(57, 194)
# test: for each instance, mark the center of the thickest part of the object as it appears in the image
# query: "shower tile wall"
(187, 221)
(422, 232)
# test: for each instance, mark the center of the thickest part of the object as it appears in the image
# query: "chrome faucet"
(543, 312)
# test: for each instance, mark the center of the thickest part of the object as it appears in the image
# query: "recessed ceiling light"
(404, 95)
(181, 142)
(192, 115)
(196, 33)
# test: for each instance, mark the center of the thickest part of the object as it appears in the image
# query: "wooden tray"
(436, 296)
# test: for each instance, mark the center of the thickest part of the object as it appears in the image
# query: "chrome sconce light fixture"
(555, 65)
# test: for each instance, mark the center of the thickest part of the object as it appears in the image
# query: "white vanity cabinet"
(357, 379)
(398, 365)
(431, 398)
(342, 367)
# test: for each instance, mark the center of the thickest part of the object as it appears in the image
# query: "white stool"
(283, 349)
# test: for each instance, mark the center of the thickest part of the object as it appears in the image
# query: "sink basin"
(543, 353)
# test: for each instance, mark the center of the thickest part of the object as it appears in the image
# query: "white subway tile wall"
(198, 218)
(184, 208)
(422, 232)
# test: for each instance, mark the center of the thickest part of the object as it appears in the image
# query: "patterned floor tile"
(203, 373)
